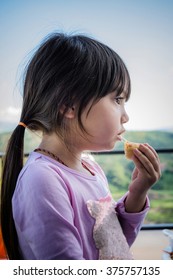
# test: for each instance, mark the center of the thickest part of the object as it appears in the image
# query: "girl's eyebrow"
(122, 94)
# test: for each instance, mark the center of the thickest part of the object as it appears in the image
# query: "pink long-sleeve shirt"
(50, 212)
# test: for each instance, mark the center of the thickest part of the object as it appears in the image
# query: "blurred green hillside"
(157, 139)
(31, 141)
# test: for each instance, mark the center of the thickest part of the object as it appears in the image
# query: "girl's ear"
(70, 112)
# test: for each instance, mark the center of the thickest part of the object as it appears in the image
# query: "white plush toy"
(107, 232)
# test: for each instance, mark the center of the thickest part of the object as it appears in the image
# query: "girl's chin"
(111, 145)
(107, 147)
(103, 146)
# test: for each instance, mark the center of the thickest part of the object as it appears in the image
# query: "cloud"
(10, 114)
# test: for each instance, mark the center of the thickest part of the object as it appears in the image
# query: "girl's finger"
(152, 167)
(143, 162)
(153, 150)
(151, 155)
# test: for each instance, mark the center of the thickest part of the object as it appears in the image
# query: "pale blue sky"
(140, 31)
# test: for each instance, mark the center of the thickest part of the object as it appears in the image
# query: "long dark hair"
(65, 70)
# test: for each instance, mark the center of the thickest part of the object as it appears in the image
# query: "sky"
(141, 32)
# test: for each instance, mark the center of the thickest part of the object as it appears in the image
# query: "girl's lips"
(119, 137)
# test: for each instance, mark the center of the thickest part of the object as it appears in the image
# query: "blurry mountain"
(157, 139)
(31, 141)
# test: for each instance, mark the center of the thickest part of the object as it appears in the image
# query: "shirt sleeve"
(43, 213)
(131, 222)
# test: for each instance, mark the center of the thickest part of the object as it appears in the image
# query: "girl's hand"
(147, 172)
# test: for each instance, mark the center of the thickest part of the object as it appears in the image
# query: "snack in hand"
(129, 147)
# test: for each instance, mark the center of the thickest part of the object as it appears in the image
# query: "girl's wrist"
(135, 202)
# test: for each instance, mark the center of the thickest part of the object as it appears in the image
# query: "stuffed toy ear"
(93, 208)
(98, 209)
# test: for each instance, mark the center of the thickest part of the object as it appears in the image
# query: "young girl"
(74, 92)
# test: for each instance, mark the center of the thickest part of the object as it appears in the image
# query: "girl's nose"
(125, 117)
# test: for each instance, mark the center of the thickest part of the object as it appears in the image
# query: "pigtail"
(12, 166)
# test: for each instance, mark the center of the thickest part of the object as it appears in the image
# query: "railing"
(121, 152)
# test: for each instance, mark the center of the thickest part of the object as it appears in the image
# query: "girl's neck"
(70, 156)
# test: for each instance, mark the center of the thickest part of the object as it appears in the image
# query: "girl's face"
(104, 123)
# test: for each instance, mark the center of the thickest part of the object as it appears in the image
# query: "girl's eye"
(120, 100)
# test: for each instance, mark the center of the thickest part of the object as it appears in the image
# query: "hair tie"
(22, 124)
